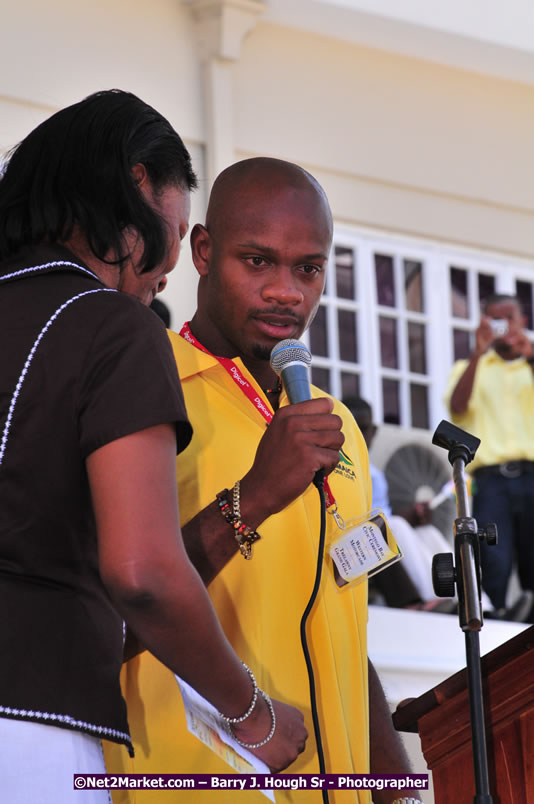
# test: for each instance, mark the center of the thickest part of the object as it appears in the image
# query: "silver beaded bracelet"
(271, 733)
(407, 801)
(230, 720)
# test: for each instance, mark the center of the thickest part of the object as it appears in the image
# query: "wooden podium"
(441, 716)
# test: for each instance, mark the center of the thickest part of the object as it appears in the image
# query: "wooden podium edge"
(408, 714)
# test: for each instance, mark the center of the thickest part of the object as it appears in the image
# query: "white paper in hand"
(205, 722)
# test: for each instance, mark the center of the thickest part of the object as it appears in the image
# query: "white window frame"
(436, 259)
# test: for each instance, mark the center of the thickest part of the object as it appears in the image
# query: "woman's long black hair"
(75, 168)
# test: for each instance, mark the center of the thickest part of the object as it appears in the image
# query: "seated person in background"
(161, 309)
(408, 584)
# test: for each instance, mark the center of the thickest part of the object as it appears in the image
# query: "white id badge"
(364, 547)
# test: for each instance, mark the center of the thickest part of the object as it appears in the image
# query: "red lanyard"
(234, 373)
(250, 392)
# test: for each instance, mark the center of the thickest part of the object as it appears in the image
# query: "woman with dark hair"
(74, 171)
(94, 201)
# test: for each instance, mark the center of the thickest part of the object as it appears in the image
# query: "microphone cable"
(318, 481)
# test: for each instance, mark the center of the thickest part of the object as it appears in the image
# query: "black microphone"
(291, 359)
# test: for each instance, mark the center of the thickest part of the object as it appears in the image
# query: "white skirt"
(38, 763)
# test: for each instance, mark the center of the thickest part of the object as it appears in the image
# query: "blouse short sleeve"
(129, 380)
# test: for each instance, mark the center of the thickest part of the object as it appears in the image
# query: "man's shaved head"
(262, 259)
(245, 181)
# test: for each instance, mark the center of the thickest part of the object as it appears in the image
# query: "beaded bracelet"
(236, 499)
(271, 733)
(407, 800)
(245, 536)
(230, 720)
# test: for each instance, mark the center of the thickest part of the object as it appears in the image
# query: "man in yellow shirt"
(492, 396)
(262, 258)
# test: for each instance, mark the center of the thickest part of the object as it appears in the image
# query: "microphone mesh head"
(289, 351)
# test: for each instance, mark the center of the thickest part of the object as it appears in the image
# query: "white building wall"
(399, 143)
(55, 53)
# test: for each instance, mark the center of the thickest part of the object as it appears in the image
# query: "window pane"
(348, 341)
(413, 286)
(345, 277)
(321, 378)
(459, 300)
(385, 283)
(419, 405)
(416, 347)
(350, 384)
(318, 333)
(388, 342)
(390, 398)
(461, 344)
(486, 286)
(523, 292)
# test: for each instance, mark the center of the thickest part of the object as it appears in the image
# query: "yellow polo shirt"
(260, 603)
(500, 410)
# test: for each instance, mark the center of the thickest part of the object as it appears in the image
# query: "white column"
(221, 26)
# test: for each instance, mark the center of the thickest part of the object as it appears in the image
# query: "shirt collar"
(493, 357)
(43, 254)
(193, 361)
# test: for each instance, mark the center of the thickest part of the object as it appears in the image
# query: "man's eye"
(311, 269)
(257, 260)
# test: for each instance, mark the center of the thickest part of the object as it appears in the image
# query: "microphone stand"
(466, 576)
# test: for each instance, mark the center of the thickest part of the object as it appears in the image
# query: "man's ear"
(201, 248)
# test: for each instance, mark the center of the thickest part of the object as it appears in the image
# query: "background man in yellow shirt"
(492, 396)
(262, 257)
